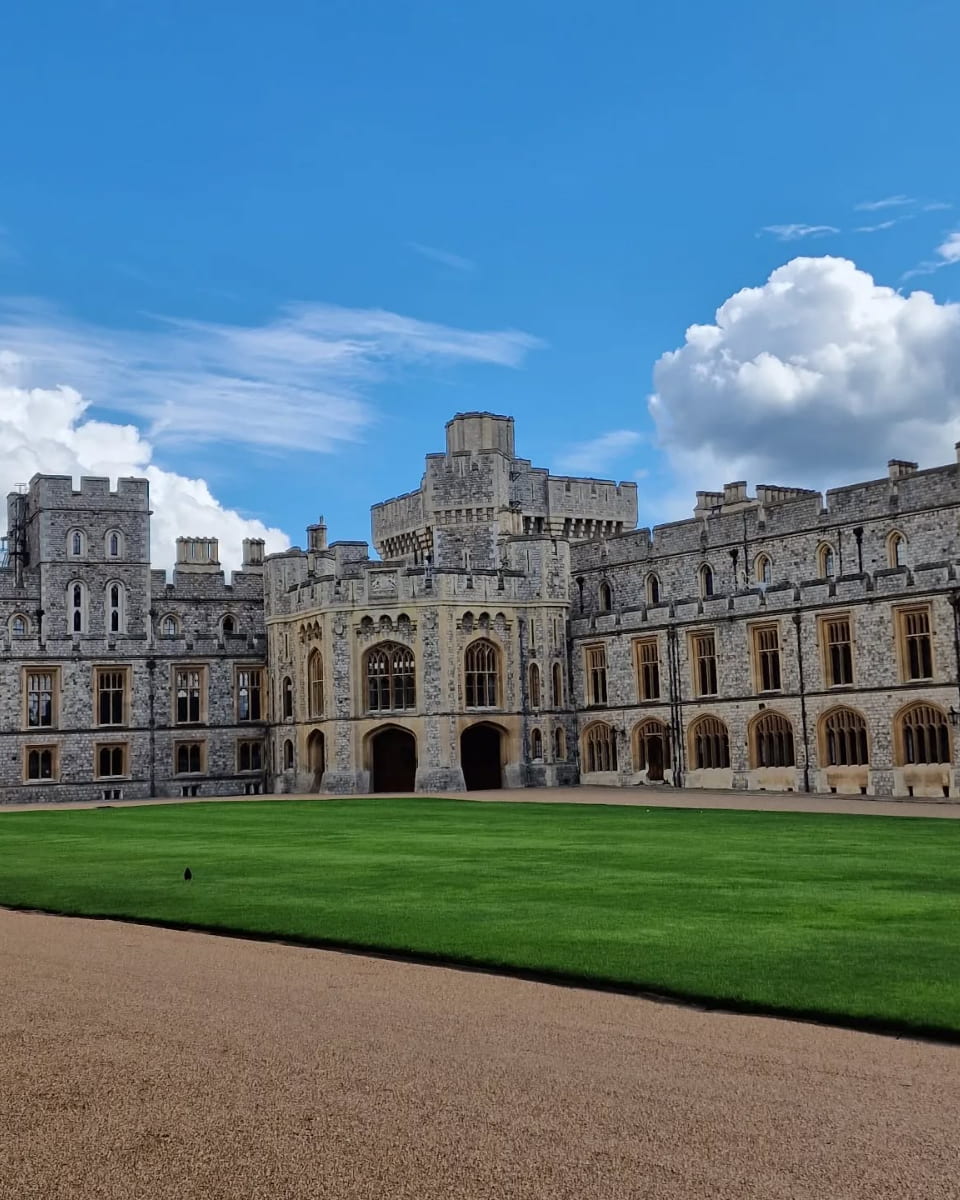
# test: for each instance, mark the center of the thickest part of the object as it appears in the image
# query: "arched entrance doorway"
(480, 758)
(393, 760)
(316, 758)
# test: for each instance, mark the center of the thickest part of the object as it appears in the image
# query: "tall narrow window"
(838, 650)
(606, 597)
(111, 697)
(482, 675)
(391, 678)
(924, 736)
(648, 669)
(772, 742)
(706, 581)
(76, 543)
(189, 695)
(169, 627)
(250, 694)
(711, 743)
(115, 607)
(557, 685)
(653, 589)
(766, 648)
(896, 550)
(288, 755)
(188, 758)
(534, 685)
(844, 741)
(762, 569)
(559, 745)
(705, 663)
(315, 683)
(40, 700)
(41, 763)
(77, 597)
(600, 748)
(228, 625)
(596, 674)
(536, 745)
(114, 545)
(286, 697)
(825, 561)
(19, 626)
(916, 643)
(111, 761)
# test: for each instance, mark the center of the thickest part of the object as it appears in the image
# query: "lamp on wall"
(954, 715)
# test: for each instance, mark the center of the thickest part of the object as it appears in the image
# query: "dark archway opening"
(316, 757)
(655, 757)
(394, 761)
(480, 758)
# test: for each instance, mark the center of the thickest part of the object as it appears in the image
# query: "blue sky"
(186, 182)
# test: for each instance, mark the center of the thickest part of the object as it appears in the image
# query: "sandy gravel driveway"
(140, 1063)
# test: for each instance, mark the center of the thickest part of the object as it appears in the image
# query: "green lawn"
(847, 917)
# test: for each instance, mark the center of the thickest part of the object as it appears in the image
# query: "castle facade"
(516, 629)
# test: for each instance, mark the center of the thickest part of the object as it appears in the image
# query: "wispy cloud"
(887, 202)
(299, 380)
(948, 253)
(935, 206)
(949, 250)
(600, 452)
(876, 228)
(456, 261)
(793, 233)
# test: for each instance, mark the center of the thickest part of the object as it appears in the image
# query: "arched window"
(19, 625)
(600, 747)
(40, 764)
(559, 745)
(113, 544)
(651, 747)
(826, 562)
(169, 626)
(606, 597)
(481, 669)
(710, 743)
(288, 755)
(844, 739)
(653, 589)
(534, 688)
(896, 549)
(286, 697)
(771, 741)
(391, 681)
(76, 543)
(762, 569)
(536, 745)
(557, 685)
(923, 735)
(189, 758)
(706, 581)
(228, 625)
(315, 683)
(77, 608)
(115, 607)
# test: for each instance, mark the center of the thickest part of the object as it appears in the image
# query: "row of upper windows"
(921, 735)
(762, 573)
(111, 760)
(114, 614)
(78, 544)
(914, 650)
(112, 696)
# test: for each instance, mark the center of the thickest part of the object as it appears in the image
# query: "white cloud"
(444, 257)
(46, 430)
(949, 250)
(876, 228)
(598, 454)
(296, 381)
(793, 233)
(888, 202)
(816, 378)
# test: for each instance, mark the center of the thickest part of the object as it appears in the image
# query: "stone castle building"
(516, 629)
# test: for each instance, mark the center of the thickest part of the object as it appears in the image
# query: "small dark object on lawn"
(188, 874)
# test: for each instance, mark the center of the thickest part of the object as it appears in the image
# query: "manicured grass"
(853, 918)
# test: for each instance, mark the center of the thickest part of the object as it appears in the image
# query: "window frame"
(27, 671)
(763, 654)
(824, 622)
(190, 744)
(120, 609)
(595, 668)
(902, 614)
(694, 638)
(901, 758)
(203, 670)
(107, 539)
(757, 750)
(495, 653)
(896, 543)
(591, 750)
(315, 686)
(640, 645)
(40, 748)
(823, 550)
(250, 743)
(126, 698)
(695, 743)
(256, 685)
(111, 747)
(706, 582)
(858, 729)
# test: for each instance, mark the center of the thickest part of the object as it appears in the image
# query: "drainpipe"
(152, 676)
(858, 534)
(676, 707)
(803, 704)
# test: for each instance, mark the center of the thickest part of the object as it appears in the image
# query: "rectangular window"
(41, 764)
(705, 663)
(190, 699)
(110, 760)
(596, 674)
(249, 694)
(837, 650)
(189, 758)
(766, 649)
(111, 688)
(40, 695)
(250, 756)
(916, 643)
(648, 669)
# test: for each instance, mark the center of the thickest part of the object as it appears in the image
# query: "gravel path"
(144, 1064)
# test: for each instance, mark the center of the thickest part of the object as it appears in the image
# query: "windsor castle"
(515, 630)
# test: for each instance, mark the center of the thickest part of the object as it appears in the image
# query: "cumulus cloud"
(297, 381)
(816, 378)
(47, 430)
(793, 233)
(949, 251)
(598, 454)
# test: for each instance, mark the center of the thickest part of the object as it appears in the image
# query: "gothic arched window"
(115, 605)
(771, 741)
(923, 735)
(315, 683)
(844, 739)
(710, 742)
(534, 688)
(600, 747)
(77, 608)
(482, 675)
(391, 678)
(706, 581)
